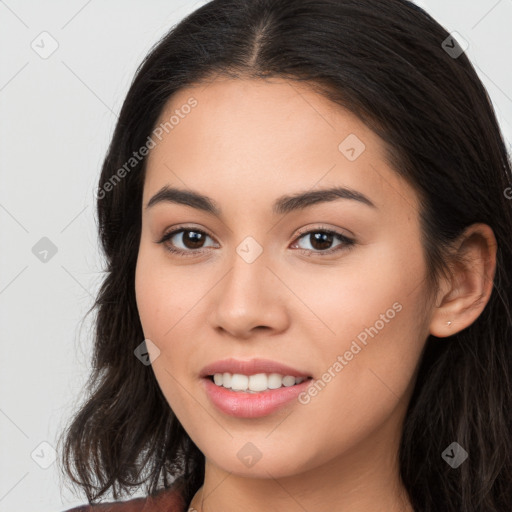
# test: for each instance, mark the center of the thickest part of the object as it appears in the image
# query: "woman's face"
(351, 315)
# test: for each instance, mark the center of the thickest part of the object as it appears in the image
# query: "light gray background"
(57, 115)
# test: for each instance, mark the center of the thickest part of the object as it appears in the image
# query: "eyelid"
(185, 227)
(321, 227)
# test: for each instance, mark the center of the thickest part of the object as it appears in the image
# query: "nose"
(250, 297)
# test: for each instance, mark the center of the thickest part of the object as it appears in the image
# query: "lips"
(251, 367)
(258, 405)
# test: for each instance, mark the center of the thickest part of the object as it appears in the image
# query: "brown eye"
(192, 239)
(320, 242)
(185, 242)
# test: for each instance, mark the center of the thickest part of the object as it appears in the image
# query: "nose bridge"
(247, 277)
(247, 295)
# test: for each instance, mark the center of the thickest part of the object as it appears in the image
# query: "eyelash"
(347, 243)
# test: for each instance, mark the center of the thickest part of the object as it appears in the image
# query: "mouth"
(253, 396)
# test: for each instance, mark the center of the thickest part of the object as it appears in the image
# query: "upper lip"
(250, 367)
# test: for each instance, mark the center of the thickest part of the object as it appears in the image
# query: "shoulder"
(165, 500)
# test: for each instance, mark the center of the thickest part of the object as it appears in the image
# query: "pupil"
(325, 239)
(193, 242)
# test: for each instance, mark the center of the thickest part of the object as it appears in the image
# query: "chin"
(264, 462)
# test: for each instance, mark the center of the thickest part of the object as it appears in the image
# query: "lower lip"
(252, 405)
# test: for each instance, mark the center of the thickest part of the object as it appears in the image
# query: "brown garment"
(167, 500)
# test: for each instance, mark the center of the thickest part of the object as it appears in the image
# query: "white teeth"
(275, 381)
(225, 379)
(239, 382)
(258, 382)
(288, 381)
(255, 383)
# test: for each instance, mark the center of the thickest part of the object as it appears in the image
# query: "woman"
(306, 215)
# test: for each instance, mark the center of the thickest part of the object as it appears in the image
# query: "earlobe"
(463, 297)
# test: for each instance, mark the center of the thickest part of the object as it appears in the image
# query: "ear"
(462, 297)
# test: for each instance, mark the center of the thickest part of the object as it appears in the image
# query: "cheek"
(352, 296)
(168, 304)
(163, 293)
(160, 310)
(373, 310)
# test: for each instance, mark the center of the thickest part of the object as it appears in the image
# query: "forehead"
(267, 137)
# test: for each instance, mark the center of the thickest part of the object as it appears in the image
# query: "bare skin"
(245, 144)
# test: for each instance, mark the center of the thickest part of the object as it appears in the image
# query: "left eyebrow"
(301, 200)
(282, 205)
